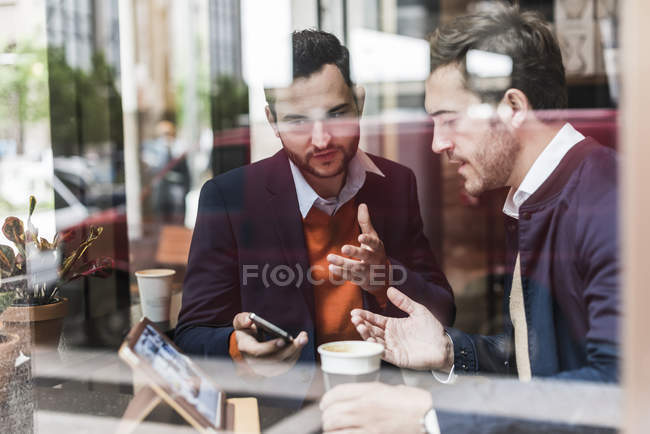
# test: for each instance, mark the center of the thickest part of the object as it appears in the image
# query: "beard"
(493, 162)
(304, 163)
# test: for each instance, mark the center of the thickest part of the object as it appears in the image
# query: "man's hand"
(374, 407)
(268, 358)
(369, 270)
(417, 342)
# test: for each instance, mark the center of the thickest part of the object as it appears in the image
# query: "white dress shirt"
(356, 177)
(542, 168)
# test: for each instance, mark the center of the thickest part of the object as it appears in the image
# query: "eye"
(298, 122)
(450, 122)
(337, 115)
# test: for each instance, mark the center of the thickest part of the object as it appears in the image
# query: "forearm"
(204, 341)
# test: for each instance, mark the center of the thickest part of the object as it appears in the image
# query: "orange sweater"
(325, 234)
(333, 300)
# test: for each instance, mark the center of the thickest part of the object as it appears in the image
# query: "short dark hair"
(523, 36)
(313, 49)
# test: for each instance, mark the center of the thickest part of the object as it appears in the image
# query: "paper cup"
(155, 286)
(350, 362)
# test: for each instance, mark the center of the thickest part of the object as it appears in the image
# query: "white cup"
(155, 286)
(350, 362)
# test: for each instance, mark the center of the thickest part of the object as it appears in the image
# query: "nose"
(440, 142)
(320, 137)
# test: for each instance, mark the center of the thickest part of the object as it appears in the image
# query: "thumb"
(242, 321)
(403, 302)
(363, 217)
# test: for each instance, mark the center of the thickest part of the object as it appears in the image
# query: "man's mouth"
(325, 155)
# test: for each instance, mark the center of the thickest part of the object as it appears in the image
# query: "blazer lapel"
(285, 216)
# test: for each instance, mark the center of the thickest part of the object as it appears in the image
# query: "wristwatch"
(430, 422)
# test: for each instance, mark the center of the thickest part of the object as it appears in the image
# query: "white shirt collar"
(356, 177)
(542, 168)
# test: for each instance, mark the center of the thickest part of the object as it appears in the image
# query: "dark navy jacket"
(249, 217)
(567, 238)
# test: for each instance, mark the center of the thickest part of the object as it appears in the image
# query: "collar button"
(526, 215)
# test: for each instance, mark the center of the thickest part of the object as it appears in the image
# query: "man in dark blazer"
(250, 248)
(503, 127)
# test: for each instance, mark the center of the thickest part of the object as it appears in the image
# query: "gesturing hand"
(268, 358)
(417, 342)
(369, 269)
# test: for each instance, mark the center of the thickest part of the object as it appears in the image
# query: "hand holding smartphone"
(269, 328)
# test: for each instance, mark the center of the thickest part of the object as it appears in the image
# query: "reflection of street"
(178, 373)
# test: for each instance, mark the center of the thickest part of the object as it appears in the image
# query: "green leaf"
(32, 205)
(70, 261)
(14, 230)
(7, 260)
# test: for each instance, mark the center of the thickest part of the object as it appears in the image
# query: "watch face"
(430, 422)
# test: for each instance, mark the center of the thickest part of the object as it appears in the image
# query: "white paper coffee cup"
(155, 287)
(350, 362)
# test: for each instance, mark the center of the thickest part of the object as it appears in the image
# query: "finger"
(301, 340)
(365, 329)
(340, 273)
(357, 252)
(253, 348)
(291, 351)
(344, 392)
(371, 331)
(242, 321)
(402, 301)
(348, 264)
(363, 217)
(372, 318)
(371, 242)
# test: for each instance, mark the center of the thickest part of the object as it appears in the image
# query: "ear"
(360, 95)
(272, 121)
(514, 108)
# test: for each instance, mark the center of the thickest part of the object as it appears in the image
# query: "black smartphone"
(269, 328)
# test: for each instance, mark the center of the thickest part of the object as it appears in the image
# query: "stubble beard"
(305, 167)
(496, 160)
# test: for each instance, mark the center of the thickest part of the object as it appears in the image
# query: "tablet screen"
(182, 380)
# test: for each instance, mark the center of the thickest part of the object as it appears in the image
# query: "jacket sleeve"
(211, 290)
(474, 353)
(597, 258)
(418, 273)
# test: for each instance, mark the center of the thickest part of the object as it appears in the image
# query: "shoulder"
(598, 168)
(232, 184)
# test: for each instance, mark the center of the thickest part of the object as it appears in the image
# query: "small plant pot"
(36, 326)
(9, 347)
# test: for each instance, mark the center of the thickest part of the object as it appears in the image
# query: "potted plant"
(8, 350)
(33, 272)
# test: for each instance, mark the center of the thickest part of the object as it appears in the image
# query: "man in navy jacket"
(561, 304)
(249, 252)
